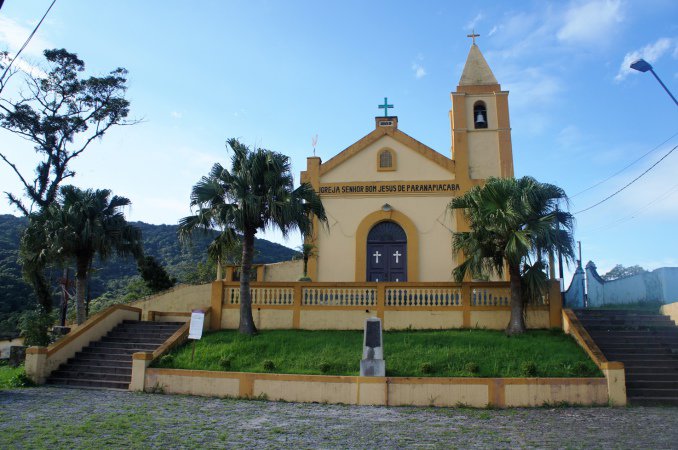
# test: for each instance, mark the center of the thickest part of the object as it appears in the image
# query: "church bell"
(480, 118)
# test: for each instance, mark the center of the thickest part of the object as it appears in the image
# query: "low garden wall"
(613, 370)
(183, 298)
(388, 391)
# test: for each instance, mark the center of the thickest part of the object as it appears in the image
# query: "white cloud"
(591, 21)
(13, 35)
(492, 31)
(419, 71)
(650, 53)
(176, 115)
(472, 24)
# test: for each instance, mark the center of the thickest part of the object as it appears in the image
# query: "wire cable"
(628, 184)
(638, 211)
(625, 167)
(26, 43)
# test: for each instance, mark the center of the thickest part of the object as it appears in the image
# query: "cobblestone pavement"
(69, 418)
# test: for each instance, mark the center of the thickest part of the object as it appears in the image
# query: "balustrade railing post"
(296, 303)
(216, 302)
(466, 304)
(381, 301)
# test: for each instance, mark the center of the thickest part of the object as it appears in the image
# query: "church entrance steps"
(107, 363)
(647, 345)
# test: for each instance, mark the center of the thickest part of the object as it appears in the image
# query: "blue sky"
(274, 74)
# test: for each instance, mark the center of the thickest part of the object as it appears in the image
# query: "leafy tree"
(85, 223)
(255, 194)
(620, 271)
(513, 222)
(61, 113)
(154, 274)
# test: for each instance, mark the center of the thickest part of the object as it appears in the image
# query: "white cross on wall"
(397, 254)
(376, 256)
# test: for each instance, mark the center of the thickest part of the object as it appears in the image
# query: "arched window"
(480, 115)
(386, 160)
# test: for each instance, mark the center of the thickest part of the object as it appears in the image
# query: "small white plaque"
(197, 321)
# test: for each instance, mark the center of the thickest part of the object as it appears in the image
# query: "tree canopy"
(514, 222)
(61, 113)
(80, 225)
(620, 271)
(256, 193)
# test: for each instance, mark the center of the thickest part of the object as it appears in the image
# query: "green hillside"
(112, 279)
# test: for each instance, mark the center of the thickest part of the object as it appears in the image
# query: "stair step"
(652, 393)
(111, 369)
(107, 363)
(91, 375)
(82, 382)
(154, 339)
(652, 384)
(124, 345)
(651, 401)
(618, 356)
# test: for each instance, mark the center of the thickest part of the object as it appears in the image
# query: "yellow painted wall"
(498, 320)
(337, 247)
(475, 395)
(193, 385)
(335, 319)
(363, 166)
(284, 271)
(422, 320)
(537, 394)
(272, 319)
(183, 298)
(483, 158)
(671, 310)
(306, 391)
(447, 392)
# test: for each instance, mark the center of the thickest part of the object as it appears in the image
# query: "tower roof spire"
(476, 71)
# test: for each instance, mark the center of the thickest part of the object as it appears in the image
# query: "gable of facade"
(387, 195)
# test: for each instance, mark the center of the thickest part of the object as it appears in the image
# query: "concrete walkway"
(70, 418)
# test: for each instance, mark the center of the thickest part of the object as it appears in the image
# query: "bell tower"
(479, 118)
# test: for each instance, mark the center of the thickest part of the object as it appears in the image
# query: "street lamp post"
(643, 66)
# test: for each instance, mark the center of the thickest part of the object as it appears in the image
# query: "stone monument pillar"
(373, 364)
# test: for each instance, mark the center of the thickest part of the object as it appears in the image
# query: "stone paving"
(70, 418)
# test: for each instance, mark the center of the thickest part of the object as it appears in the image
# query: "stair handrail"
(577, 330)
(88, 324)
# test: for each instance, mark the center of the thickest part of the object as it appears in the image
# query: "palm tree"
(85, 223)
(255, 194)
(513, 222)
(307, 251)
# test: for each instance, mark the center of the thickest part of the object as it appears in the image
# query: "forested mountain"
(112, 278)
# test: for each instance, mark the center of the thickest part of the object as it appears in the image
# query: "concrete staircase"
(647, 344)
(107, 363)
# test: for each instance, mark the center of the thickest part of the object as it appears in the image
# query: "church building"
(387, 195)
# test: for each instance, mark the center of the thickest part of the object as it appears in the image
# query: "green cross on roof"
(385, 106)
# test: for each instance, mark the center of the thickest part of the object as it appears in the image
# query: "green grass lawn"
(8, 375)
(449, 353)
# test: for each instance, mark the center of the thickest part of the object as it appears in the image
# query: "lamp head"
(641, 65)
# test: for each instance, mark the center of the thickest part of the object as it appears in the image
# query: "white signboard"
(197, 321)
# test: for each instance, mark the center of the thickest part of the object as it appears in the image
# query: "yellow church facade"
(387, 195)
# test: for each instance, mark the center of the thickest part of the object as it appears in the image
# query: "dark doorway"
(387, 253)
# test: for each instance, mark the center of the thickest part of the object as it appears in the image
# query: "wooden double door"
(386, 253)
